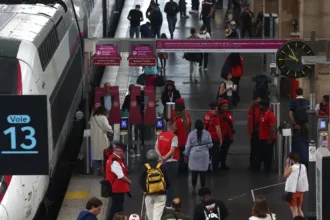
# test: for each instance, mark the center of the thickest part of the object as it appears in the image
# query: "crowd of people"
(200, 147)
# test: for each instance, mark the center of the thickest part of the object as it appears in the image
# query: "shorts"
(297, 199)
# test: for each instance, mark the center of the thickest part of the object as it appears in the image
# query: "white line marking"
(236, 197)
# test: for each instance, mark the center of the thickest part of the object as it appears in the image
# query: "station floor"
(234, 186)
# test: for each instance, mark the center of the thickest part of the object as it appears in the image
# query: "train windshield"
(9, 74)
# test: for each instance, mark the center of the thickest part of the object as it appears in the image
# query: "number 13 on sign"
(30, 137)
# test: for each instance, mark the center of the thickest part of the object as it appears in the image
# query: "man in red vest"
(169, 154)
(212, 125)
(117, 174)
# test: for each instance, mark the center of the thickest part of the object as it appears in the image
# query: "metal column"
(312, 139)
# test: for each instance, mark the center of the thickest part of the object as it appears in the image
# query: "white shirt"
(204, 36)
(267, 218)
(173, 144)
(229, 84)
(293, 184)
(117, 169)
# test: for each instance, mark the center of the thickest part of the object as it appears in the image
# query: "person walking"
(171, 9)
(154, 183)
(163, 56)
(204, 34)
(156, 20)
(197, 154)
(206, 14)
(183, 8)
(170, 94)
(296, 184)
(193, 58)
(226, 90)
(246, 21)
(135, 17)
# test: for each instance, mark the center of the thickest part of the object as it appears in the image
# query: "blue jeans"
(134, 30)
(171, 20)
(300, 146)
(97, 164)
(171, 169)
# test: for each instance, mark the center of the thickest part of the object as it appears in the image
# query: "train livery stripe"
(77, 40)
(19, 79)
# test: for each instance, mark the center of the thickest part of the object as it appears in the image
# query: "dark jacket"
(165, 98)
(126, 103)
(176, 216)
(143, 176)
(156, 17)
(86, 215)
(171, 8)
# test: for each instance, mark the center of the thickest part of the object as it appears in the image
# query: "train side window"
(48, 47)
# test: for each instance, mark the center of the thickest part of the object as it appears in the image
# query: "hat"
(264, 103)
(228, 32)
(179, 104)
(120, 146)
(232, 23)
(134, 217)
(213, 105)
(170, 82)
(223, 101)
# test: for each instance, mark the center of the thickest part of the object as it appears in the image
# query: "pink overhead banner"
(220, 46)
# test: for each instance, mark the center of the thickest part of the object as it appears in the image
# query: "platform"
(233, 187)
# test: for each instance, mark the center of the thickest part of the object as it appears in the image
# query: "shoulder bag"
(287, 196)
(109, 134)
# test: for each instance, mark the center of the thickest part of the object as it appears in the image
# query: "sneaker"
(205, 68)
(168, 207)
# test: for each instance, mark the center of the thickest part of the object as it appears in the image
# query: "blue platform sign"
(23, 135)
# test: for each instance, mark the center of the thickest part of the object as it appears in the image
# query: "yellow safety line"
(76, 195)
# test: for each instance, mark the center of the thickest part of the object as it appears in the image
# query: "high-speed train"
(41, 53)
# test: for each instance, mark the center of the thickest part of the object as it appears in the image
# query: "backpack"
(261, 89)
(155, 181)
(213, 214)
(300, 112)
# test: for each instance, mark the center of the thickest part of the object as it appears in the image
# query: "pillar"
(256, 6)
(315, 16)
(271, 6)
(288, 10)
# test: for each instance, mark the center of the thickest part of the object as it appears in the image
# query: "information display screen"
(23, 135)
(123, 124)
(323, 124)
(159, 124)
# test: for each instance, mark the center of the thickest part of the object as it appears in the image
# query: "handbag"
(106, 189)
(141, 80)
(160, 81)
(287, 196)
(109, 134)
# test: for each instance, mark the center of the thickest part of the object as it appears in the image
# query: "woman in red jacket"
(183, 127)
(236, 65)
(227, 130)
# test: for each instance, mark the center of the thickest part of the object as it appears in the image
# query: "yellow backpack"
(155, 181)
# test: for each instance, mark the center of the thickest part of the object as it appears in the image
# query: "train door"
(28, 194)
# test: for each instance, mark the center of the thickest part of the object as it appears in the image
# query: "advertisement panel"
(219, 46)
(142, 55)
(106, 55)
